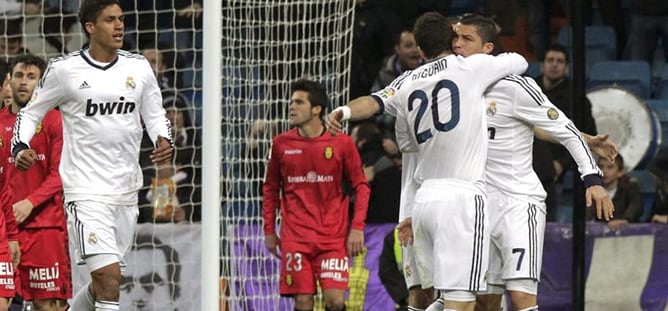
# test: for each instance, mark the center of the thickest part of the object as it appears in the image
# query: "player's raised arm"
(358, 109)
(492, 68)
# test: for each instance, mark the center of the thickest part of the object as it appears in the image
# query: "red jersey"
(41, 184)
(305, 177)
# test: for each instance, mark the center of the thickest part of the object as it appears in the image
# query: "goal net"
(266, 46)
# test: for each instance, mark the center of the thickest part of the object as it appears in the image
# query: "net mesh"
(266, 46)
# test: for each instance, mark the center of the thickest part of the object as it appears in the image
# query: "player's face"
(145, 281)
(23, 81)
(554, 65)
(108, 28)
(407, 51)
(466, 41)
(301, 111)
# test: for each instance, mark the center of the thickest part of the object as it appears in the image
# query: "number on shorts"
(424, 104)
(294, 262)
(492, 132)
(519, 262)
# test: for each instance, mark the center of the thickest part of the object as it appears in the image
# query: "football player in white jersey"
(441, 103)
(103, 94)
(514, 106)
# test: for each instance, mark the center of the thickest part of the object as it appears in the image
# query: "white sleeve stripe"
(532, 91)
(571, 127)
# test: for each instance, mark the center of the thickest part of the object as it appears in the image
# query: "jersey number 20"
(424, 104)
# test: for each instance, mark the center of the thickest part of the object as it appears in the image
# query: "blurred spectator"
(649, 23)
(53, 34)
(406, 57)
(14, 8)
(11, 43)
(409, 10)
(5, 90)
(383, 176)
(659, 169)
(161, 63)
(374, 34)
(171, 22)
(624, 191)
(173, 191)
(551, 160)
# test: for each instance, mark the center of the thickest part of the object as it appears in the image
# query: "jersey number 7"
(421, 96)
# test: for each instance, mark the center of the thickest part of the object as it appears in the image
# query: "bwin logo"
(118, 107)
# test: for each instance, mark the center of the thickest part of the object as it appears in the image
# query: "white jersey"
(440, 104)
(102, 109)
(514, 106)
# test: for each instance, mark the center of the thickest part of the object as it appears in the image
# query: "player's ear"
(90, 27)
(315, 110)
(488, 47)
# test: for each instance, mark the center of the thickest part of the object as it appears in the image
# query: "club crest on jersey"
(288, 280)
(329, 152)
(407, 271)
(552, 114)
(130, 83)
(92, 238)
(39, 128)
(491, 109)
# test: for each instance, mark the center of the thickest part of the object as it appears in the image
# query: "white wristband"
(345, 110)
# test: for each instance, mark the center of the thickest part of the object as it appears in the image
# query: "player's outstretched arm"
(598, 196)
(600, 144)
(358, 109)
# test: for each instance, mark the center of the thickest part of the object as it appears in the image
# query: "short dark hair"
(28, 59)
(487, 29)
(556, 48)
(90, 10)
(433, 34)
(317, 94)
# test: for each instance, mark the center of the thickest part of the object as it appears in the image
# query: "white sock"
(414, 309)
(83, 301)
(106, 306)
(534, 308)
(436, 305)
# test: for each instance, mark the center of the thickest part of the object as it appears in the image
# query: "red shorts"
(44, 271)
(302, 264)
(7, 287)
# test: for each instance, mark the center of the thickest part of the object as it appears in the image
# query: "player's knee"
(488, 302)
(336, 306)
(522, 293)
(49, 304)
(304, 302)
(419, 297)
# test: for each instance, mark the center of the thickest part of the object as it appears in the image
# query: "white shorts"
(410, 269)
(101, 228)
(451, 235)
(517, 234)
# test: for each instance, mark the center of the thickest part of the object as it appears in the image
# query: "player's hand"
(162, 152)
(355, 243)
(663, 219)
(194, 9)
(333, 121)
(405, 232)
(272, 242)
(25, 159)
(22, 210)
(15, 253)
(604, 207)
(616, 224)
(603, 147)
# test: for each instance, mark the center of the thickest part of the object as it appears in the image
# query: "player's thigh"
(523, 227)
(455, 217)
(497, 204)
(92, 226)
(7, 286)
(331, 267)
(409, 262)
(297, 275)
(126, 218)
